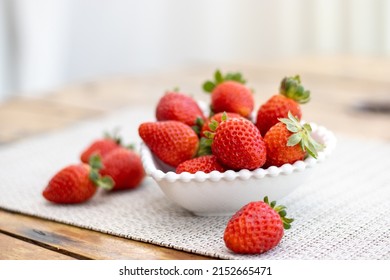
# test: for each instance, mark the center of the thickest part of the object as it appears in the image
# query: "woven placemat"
(342, 212)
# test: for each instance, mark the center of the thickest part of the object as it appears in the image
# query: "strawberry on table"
(256, 228)
(205, 163)
(229, 94)
(237, 144)
(291, 95)
(171, 141)
(76, 183)
(289, 141)
(178, 106)
(125, 168)
(101, 147)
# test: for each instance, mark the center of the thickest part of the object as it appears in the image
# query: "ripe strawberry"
(206, 164)
(100, 147)
(177, 106)
(171, 141)
(282, 142)
(256, 228)
(125, 168)
(218, 118)
(76, 183)
(237, 144)
(229, 94)
(291, 95)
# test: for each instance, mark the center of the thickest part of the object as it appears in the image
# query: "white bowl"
(220, 194)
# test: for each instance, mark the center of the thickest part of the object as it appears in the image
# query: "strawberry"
(124, 166)
(256, 228)
(177, 106)
(205, 163)
(291, 95)
(237, 144)
(101, 147)
(229, 94)
(218, 118)
(171, 141)
(282, 142)
(76, 183)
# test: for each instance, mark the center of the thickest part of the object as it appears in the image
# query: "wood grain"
(15, 249)
(82, 243)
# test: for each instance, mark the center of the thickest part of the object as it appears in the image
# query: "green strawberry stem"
(209, 85)
(104, 182)
(301, 135)
(291, 87)
(280, 209)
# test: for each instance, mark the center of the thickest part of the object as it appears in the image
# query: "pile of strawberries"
(229, 139)
(184, 138)
(105, 163)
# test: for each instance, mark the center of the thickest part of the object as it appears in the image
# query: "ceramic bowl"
(217, 193)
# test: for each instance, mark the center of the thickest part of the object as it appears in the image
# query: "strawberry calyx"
(206, 142)
(114, 136)
(292, 88)
(281, 210)
(209, 85)
(301, 135)
(198, 125)
(104, 182)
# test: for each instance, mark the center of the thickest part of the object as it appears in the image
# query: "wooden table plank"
(20, 118)
(83, 243)
(15, 249)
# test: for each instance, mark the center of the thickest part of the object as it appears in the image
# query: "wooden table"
(338, 84)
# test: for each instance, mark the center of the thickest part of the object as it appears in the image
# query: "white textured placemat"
(342, 212)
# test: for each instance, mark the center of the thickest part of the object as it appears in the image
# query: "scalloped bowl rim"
(320, 133)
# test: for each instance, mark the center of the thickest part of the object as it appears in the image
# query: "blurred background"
(45, 44)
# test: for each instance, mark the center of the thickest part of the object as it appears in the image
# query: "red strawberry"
(229, 94)
(237, 144)
(291, 95)
(282, 142)
(171, 141)
(100, 147)
(218, 118)
(75, 183)
(256, 228)
(206, 164)
(124, 167)
(177, 106)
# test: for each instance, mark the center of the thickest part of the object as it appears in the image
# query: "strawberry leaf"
(280, 209)
(196, 129)
(224, 117)
(209, 134)
(94, 175)
(291, 87)
(204, 147)
(95, 161)
(213, 125)
(301, 135)
(105, 182)
(208, 86)
(294, 139)
(218, 77)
